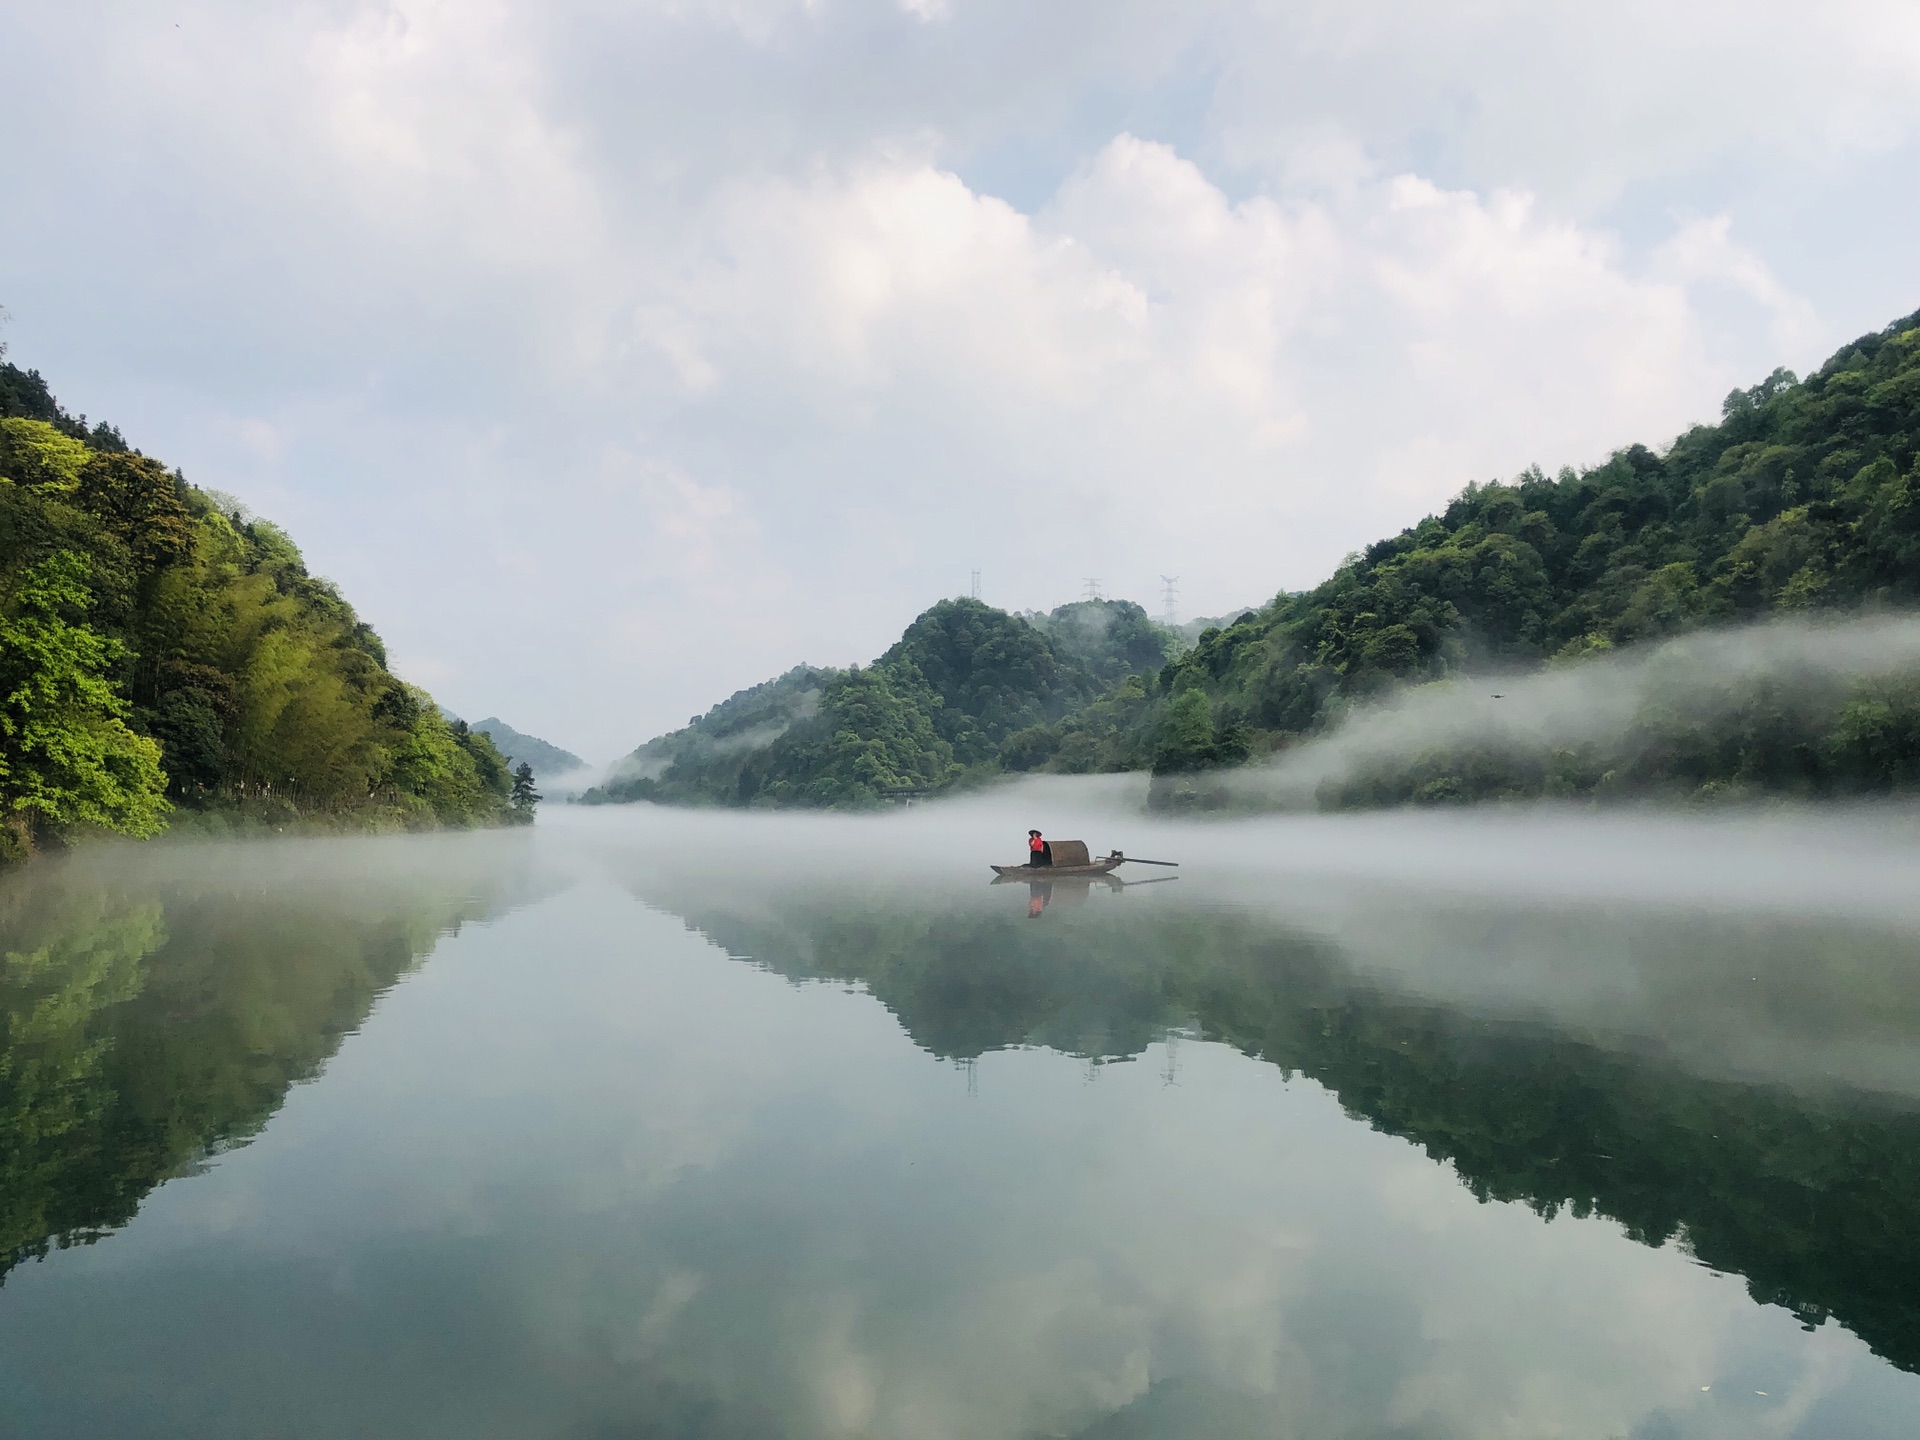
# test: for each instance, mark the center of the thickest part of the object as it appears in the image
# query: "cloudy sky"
(615, 355)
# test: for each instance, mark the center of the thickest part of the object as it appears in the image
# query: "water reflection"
(155, 1011)
(1804, 1183)
(1172, 1161)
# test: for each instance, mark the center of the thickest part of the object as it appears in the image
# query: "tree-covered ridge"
(1803, 500)
(937, 707)
(162, 651)
(1804, 497)
(1812, 1194)
(543, 757)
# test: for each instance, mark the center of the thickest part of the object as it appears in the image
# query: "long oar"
(1136, 860)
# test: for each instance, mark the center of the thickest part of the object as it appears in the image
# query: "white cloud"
(1222, 290)
(1210, 377)
(1705, 250)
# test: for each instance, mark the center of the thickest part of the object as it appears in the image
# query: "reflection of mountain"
(1812, 1196)
(150, 1019)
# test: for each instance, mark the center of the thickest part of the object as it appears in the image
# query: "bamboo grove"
(166, 658)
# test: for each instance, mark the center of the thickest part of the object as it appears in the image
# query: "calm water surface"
(645, 1125)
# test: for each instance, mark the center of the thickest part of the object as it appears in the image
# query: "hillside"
(547, 760)
(937, 707)
(1803, 500)
(164, 654)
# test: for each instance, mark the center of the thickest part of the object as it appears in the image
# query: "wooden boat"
(1070, 860)
(1059, 872)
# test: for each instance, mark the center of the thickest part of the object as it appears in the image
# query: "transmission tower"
(1093, 588)
(1170, 591)
(976, 584)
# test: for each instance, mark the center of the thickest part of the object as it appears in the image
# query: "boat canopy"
(1070, 852)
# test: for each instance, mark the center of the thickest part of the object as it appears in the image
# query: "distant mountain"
(547, 760)
(1192, 630)
(709, 753)
(941, 704)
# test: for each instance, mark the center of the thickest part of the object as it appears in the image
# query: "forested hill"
(1804, 498)
(164, 653)
(938, 706)
(547, 760)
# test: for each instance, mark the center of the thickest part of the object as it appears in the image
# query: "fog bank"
(1612, 709)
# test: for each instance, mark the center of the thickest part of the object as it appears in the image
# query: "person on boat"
(1039, 852)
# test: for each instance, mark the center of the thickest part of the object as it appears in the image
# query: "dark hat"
(1033, 832)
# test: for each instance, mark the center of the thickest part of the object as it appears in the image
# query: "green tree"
(525, 797)
(67, 756)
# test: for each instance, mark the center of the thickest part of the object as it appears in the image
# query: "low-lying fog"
(1778, 944)
(1858, 861)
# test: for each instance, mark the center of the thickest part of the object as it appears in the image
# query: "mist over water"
(1603, 703)
(1700, 929)
(671, 1122)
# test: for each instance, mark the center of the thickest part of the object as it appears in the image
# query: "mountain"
(1190, 631)
(1113, 638)
(707, 757)
(1803, 499)
(938, 707)
(166, 655)
(546, 760)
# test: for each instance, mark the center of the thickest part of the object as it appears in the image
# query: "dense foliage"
(938, 706)
(163, 652)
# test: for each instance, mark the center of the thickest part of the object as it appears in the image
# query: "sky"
(615, 356)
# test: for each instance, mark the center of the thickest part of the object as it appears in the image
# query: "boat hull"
(1055, 872)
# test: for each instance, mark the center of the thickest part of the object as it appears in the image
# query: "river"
(644, 1124)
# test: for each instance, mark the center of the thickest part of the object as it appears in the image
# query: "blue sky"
(614, 356)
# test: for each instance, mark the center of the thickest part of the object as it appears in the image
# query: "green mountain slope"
(937, 707)
(1803, 499)
(547, 760)
(163, 652)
